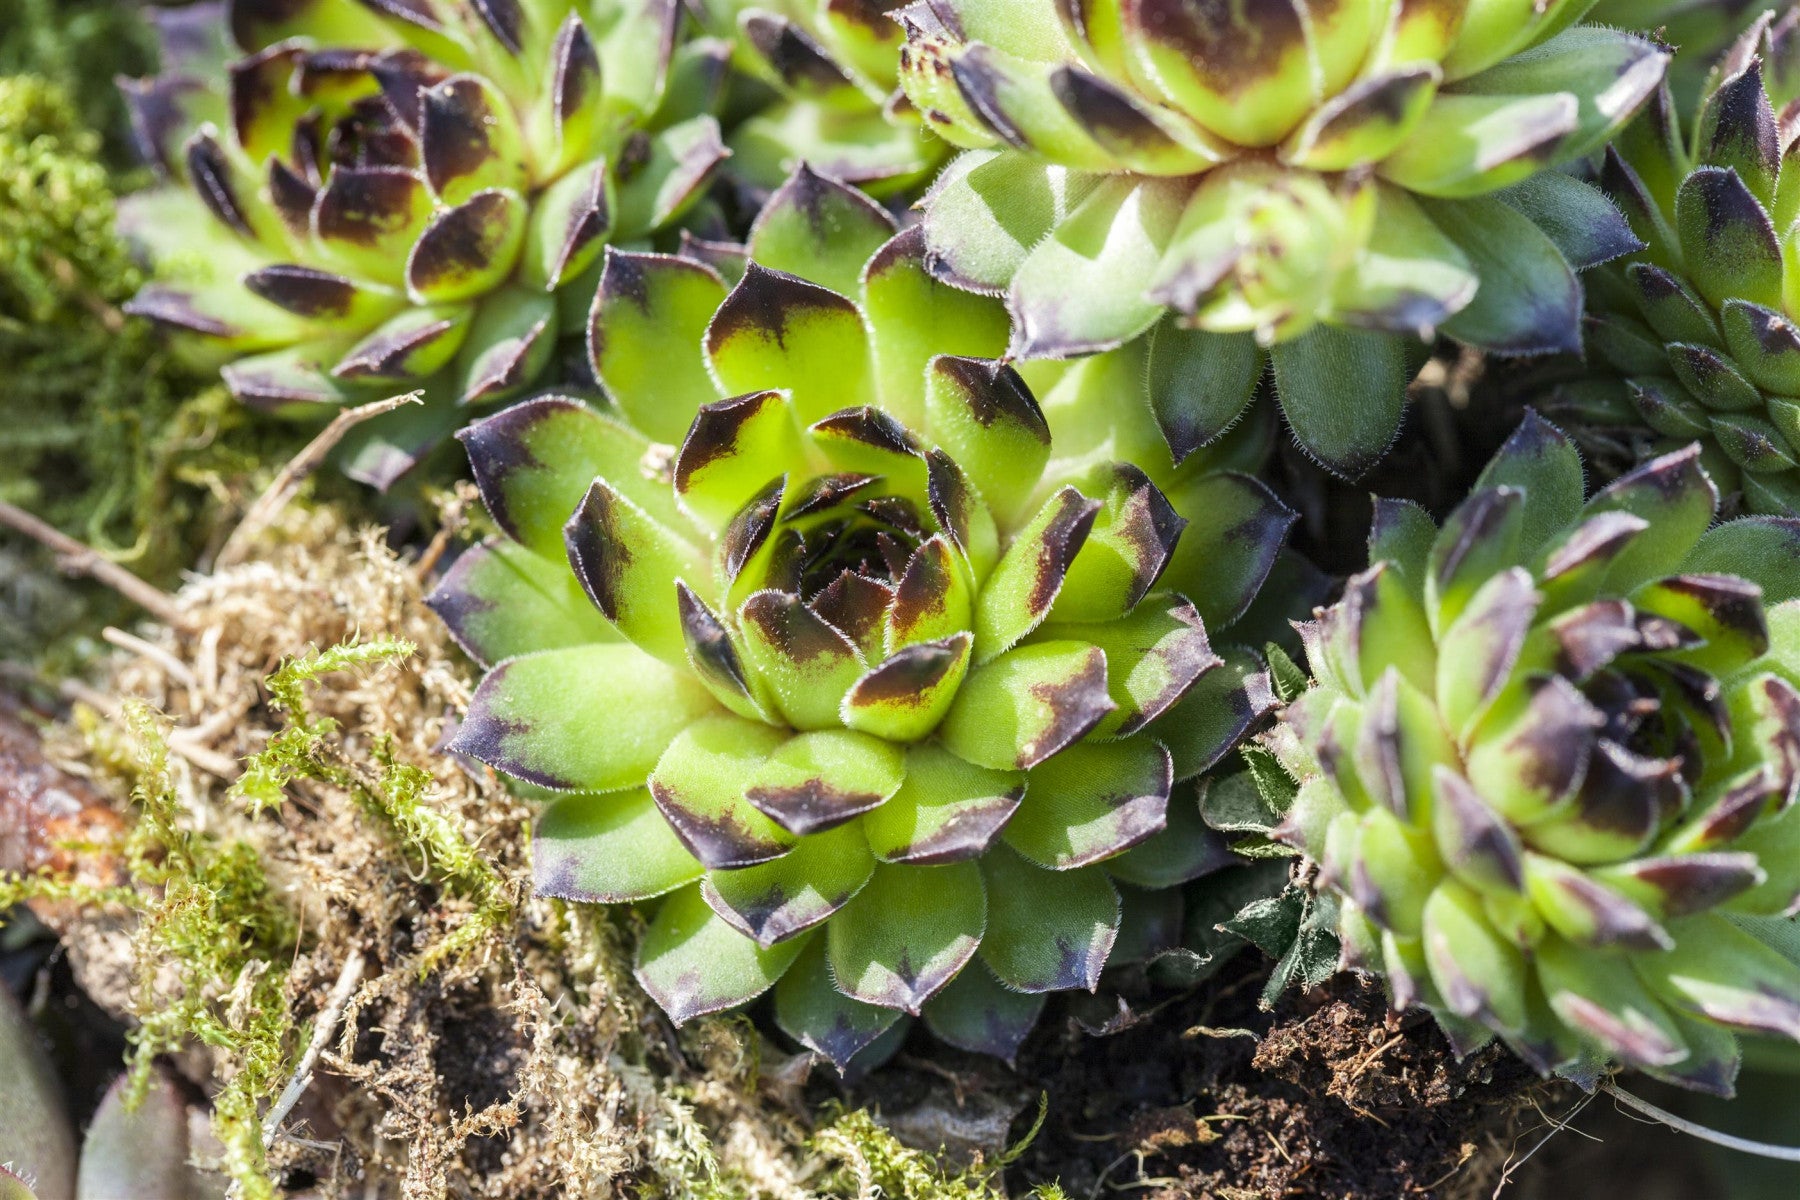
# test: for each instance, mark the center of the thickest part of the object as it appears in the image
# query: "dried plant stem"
(268, 506)
(1682, 1125)
(77, 558)
(324, 1029)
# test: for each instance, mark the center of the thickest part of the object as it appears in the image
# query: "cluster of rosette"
(1318, 182)
(367, 197)
(1700, 326)
(886, 684)
(1550, 761)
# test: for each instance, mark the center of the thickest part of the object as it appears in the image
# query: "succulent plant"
(136, 1149)
(828, 76)
(1304, 182)
(1552, 751)
(886, 668)
(1699, 327)
(381, 197)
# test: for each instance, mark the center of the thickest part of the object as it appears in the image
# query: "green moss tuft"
(104, 434)
(869, 1161)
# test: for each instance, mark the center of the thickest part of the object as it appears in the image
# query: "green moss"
(391, 791)
(80, 46)
(104, 434)
(867, 1160)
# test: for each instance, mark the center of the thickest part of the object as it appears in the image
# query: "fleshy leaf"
(1092, 801)
(945, 811)
(644, 336)
(978, 1014)
(908, 933)
(535, 717)
(699, 783)
(816, 781)
(775, 900)
(608, 849)
(1047, 931)
(810, 1009)
(778, 331)
(500, 600)
(692, 962)
(535, 461)
(1028, 704)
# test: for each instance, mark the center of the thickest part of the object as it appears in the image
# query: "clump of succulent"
(884, 669)
(1312, 184)
(823, 89)
(380, 198)
(1551, 754)
(1700, 326)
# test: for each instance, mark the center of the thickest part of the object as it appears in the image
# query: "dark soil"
(1328, 1097)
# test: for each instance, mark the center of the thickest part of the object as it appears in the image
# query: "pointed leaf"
(778, 331)
(500, 600)
(1092, 801)
(816, 781)
(1153, 656)
(1083, 288)
(1529, 301)
(907, 933)
(1235, 530)
(699, 784)
(945, 811)
(1342, 392)
(1215, 714)
(644, 336)
(819, 229)
(982, 415)
(1018, 593)
(775, 900)
(911, 692)
(588, 718)
(978, 1014)
(692, 962)
(810, 1009)
(807, 665)
(1047, 931)
(1028, 704)
(611, 849)
(628, 564)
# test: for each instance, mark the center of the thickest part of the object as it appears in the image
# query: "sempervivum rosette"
(383, 196)
(860, 698)
(820, 85)
(1700, 326)
(1550, 760)
(1321, 178)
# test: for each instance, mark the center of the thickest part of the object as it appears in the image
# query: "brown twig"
(268, 506)
(77, 558)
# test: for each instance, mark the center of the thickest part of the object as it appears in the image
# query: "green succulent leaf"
(529, 718)
(977, 1013)
(1047, 931)
(608, 849)
(693, 962)
(811, 1010)
(499, 600)
(902, 963)
(649, 318)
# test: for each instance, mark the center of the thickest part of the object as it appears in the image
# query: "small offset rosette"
(1549, 764)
